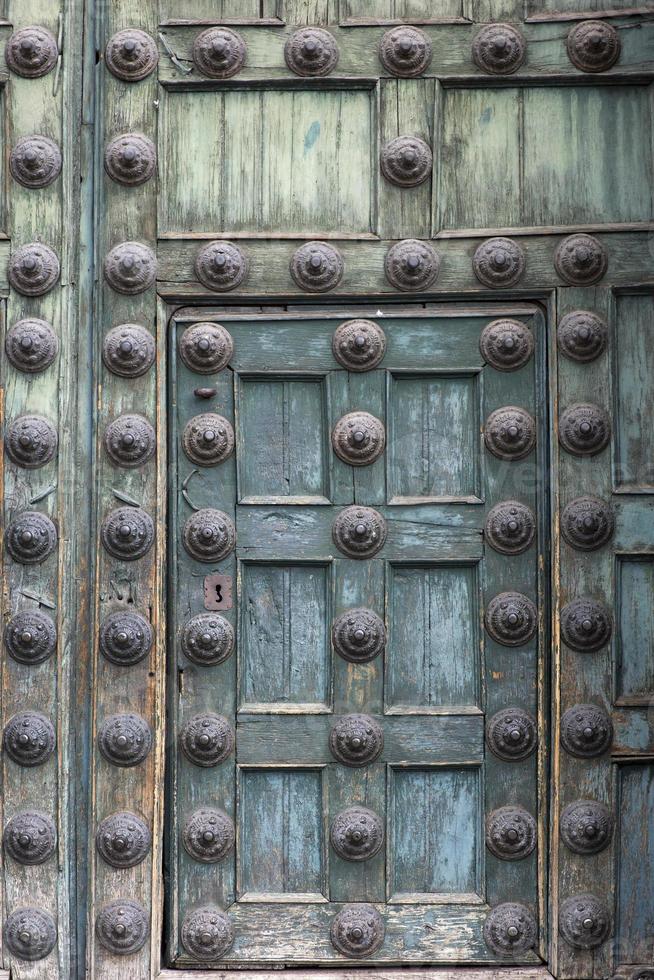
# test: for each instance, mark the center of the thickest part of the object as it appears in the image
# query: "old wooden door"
(328, 561)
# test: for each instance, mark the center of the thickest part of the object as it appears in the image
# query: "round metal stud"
(587, 523)
(586, 625)
(511, 619)
(510, 833)
(128, 350)
(405, 51)
(582, 335)
(31, 538)
(130, 441)
(512, 734)
(499, 49)
(130, 159)
(131, 55)
(359, 532)
(31, 345)
(122, 927)
(586, 826)
(412, 264)
(33, 269)
(510, 929)
(219, 52)
(510, 527)
(30, 637)
(123, 840)
(359, 345)
(209, 535)
(506, 344)
(356, 740)
(30, 837)
(127, 533)
(207, 933)
(593, 45)
(125, 740)
(357, 931)
(207, 739)
(586, 731)
(35, 161)
(580, 260)
(208, 835)
(357, 834)
(311, 51)
(29, 738)
(31, 52)
(584, 429)
(31, 441)
(358, 635)
(130, 268)
(316, 267)
(510, 433)
(208, 439)
(30, 934)
(221, 266)
(584, 921)
(207, 639)
(125, 638)
(645, 974)
(206, 347)
(498, 263)
(359, 438)
(406, 161)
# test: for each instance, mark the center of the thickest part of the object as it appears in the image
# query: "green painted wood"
(220, 11)
(635, 923)
(635, 641)
(401, 11)
(554, 9)
(633, 367)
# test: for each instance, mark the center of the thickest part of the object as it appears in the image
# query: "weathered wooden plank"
(426, 973)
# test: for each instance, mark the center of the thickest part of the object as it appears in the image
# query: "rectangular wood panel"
(553, 9)
(635, 622)
(635, 893)
(634, 394)
(401, 11)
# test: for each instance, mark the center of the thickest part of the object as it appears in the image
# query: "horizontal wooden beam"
(520, 973)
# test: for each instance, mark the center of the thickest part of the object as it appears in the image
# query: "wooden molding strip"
(392, 973)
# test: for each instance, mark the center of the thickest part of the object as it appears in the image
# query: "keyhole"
(219, 592)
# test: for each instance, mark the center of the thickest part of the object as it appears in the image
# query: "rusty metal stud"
(128, 350)
(316, 267)
(357, 931)
(359, 532)
(511, 619)
(587, 523)
(358, 635)
(130, 159)
(510, 433)
(221, 266)
(208, 439)
(31, 538)
(209, 535)
(357, 834)
(580, 260)
(207, 739)
(586, 826)
(593, 45)
(584, 429)
(510, 527)
(359, 438)
(359, 345)
(30, 934)
(123, 840)
(30, 637)
(125, 638)
(412, 264)
(125, 740)
(31, 345)
(122, 927)
(207, 639)
(33, 269)
(311, 51)
(512, 734)
(130, 441)
(356, 740)
(131, 55)
(586, 625)
(29, 738)
(586, 731)
(511, 833)
(406, 161)
(30, 837)
(31, 52)
(35, 161)
(207, 933)
(582, 335)
(510, 929)
(506, 344)
(584, 921)
(405, 51)
(499, 49)
(130, 268)
(208, 835)
(206, 347)
(498, 263)
(127, 533)
(31, 441)
(219, 52)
